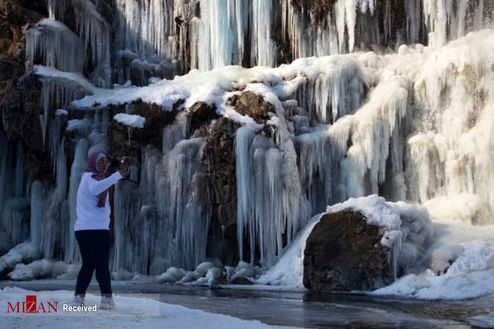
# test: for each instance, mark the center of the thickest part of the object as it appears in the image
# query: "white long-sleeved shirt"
(89, 215)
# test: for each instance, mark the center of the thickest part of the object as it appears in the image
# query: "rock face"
(201, 115)
(15, 18)
(252, 104)
(343, 252)
(128, 142)
(219, 166)
(21, 110)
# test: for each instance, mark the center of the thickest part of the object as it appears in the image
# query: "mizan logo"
(31, 306)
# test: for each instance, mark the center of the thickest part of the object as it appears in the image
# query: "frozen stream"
(299, 309)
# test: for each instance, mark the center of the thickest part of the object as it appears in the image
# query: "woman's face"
(102, 165)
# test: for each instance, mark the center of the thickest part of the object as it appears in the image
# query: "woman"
(92, 227)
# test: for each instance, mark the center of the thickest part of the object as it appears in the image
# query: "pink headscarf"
(91, 167)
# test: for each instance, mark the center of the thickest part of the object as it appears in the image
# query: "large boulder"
(343, 252)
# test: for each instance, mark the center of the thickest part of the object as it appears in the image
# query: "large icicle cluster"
(51, 43)
(93, 35)
(160, 38)
(452, 150)
(58, 90)
(448, 20)
(144, 37)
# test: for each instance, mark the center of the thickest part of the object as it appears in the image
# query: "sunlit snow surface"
(131, 120)
(131, 312)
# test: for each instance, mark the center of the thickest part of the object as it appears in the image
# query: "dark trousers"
(95, 247)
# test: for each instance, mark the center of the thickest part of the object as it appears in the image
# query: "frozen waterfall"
(410, 121)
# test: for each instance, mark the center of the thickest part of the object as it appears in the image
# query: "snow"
(16, 255)
(482, 321)
(205, 274)
(44, 268)
(129, 312)
(172, 274)
(67, 77)
(462, 263)
(131, 120)
(289, 270)
(339, 74)
(463, 207)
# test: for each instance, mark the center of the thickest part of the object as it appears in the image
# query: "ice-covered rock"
(364, 243)
(44, 268)
(342, 253)
(22, 252)
(172, 274)
(397, 236)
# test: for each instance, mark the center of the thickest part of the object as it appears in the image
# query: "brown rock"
(128, 142)
(201, 115)
(252, 104)
(21, 109)
(318, 9)
(10, 70)
(343, 252)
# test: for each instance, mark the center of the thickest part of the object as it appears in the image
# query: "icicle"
(450, 155)
(57, 46)
(243, 138)
(146, 28)
(76, 171)
(371, 129)
(447, 20)
(126, 210)
(222, 32)
(335, 91)
(13, 201)
(263, 50)
(53, 232)
(58, 89)
(176, 132)
(274, 164)
(316, 168)
(95, 32)
(38, 200)
(183, 214)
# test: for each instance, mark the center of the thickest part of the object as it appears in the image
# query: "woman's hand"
(123, 169)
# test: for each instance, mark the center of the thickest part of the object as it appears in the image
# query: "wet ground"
(297, 308)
